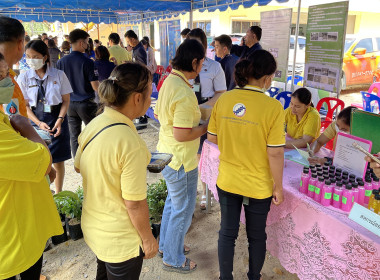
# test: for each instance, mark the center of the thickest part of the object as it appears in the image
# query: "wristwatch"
(63, 118)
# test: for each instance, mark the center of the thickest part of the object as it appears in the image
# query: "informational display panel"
(325, 36)
(275, 38)
(170, 39)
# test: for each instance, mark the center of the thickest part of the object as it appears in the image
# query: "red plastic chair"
(169, 69)
(330, 109)
(324, 125)
(161, 81)
(160, 69)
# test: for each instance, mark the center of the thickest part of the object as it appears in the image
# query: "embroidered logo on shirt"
(239, 110)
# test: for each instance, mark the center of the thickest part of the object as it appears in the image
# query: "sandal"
(185, 252)
(202, 205)
(182, 269)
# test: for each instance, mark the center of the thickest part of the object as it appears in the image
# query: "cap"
(332, 180)
(361, 183)
(339, 184)
(327, 182)
(345, 173)
(354, 185)
(306, 170)
(368, 179)
(332, 167)
(375, 192)
(318, 165)
(377, 197)
(315, 176)
(348, 187)
(339, 170)
(321, 179)
(352, 176)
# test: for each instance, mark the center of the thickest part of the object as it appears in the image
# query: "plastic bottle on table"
(326, 194)
(337, 196)
(312, 183)
(361, 189)
(375, 183)
(355, 191)
(318, 189)
(368, 189)
(347, 198)
(304, 183)
(333, 182)
(375, 206)
(372, 198)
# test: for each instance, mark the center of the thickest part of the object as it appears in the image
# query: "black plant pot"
(58, 239)
(156, 230)
(75, 232)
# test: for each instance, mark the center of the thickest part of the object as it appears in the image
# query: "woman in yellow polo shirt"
(28, 215)
(342, 124)
(248, 128)
(112, 159)
(179, 115)
(303, 122)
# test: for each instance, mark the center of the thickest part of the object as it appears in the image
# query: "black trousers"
(128, 270)
(78, 112)
(32, 273)
(256, 214)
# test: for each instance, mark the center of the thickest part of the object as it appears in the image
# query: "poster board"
(170, 39)
(349, 158)
(366, 125)
(325, 37)
(275, 38)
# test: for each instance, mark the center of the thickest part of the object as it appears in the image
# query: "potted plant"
(72, 208)
(156, 197)
(58, 239)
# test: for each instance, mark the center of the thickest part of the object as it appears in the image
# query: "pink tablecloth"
(313, 241)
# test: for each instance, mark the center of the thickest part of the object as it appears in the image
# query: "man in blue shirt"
(252, 39)
(139, 53)
(223, 45)
(81, 73)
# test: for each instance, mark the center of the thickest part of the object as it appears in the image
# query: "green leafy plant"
(70, 203)
(156, 197)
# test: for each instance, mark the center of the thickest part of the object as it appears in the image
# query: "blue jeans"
(178, 213)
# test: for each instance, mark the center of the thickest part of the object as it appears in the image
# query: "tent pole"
(191, 15)
(296, 44)
(98, 31)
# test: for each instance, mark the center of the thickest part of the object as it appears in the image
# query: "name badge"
(47, 108)
(196, 87)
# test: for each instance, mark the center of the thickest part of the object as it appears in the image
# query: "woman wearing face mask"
(47, 94)
(303, 122)
(248, 127)
(29, 216)
(179, 115)
(342, 124)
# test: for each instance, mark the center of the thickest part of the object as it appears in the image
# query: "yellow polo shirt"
(247, 122)
(28, 215)
(310, 124)
(113, 167)
(177, 106)
(120, 54)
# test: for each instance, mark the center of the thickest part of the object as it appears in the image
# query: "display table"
(311, 240)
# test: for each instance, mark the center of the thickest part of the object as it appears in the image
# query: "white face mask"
(265, 89)
(338, 130)
(35, 63)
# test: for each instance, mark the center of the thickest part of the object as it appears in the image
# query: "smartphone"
(360, 148)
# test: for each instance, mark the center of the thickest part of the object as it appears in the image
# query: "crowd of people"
(58, 90)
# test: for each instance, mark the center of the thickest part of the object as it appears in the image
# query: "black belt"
(52, 107)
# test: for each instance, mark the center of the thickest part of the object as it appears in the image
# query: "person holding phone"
(47, 94)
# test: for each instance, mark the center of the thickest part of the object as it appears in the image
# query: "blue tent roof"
(115, 11)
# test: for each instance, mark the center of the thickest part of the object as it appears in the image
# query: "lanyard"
(175, 74)
(251, 90)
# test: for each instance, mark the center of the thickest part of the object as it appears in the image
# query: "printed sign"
(275, 38)
(325, 36)
(365, 218)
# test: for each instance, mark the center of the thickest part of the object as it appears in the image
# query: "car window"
(365, 43)
(378, 44)
(348, 44)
